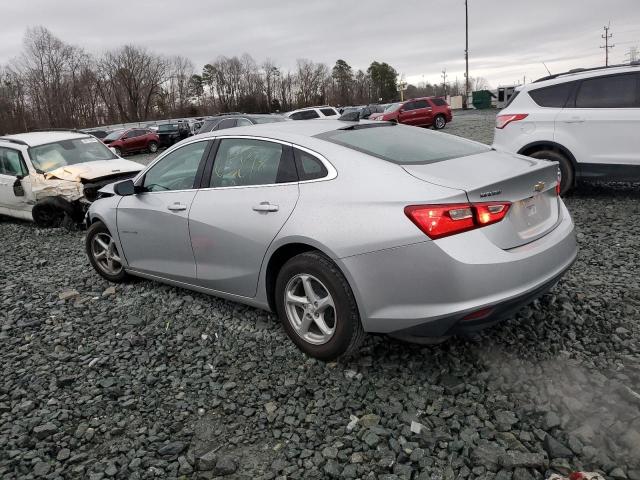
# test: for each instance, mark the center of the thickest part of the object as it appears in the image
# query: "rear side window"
(555, 96)
(616, 91)
(439, 102)
(403, 144)
(242, 162)
(308, 166)
(328, 112)
(421, 104)
(305, 115)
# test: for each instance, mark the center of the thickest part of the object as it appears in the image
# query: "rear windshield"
(47, 158)
(165, 127)
(267, 119)
(403, 144)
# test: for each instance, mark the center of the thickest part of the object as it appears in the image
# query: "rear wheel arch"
(547, 145)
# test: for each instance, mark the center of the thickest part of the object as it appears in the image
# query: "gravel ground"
(150, 381)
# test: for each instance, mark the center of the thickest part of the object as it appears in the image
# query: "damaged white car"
(52, 177)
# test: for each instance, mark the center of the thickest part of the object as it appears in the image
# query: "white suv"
(313, 112)
(52, 177)
(587, 120)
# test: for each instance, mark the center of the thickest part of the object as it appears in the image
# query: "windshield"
(69, 152)
(267, 119)
(393, 107)
(114, 135)
(402, 144)
(167, 126)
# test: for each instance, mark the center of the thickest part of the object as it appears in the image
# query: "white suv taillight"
(504, 120)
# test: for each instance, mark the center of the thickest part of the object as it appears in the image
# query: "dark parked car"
(173, 132)
(132, 140)
(221, 122)
(98, 133)
(421, 112)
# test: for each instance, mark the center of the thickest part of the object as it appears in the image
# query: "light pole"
(466, 55)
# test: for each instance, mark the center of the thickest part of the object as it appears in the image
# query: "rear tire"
(103, 253)
(331, 332)
(439, 122)
(567, 175)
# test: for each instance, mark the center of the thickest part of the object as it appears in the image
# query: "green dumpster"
(482, 99)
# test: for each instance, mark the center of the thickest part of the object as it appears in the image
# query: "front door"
(407, 114)
(251, 193)
(13, 201)
(153, 224)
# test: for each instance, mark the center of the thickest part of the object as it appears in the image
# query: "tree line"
(53, 84)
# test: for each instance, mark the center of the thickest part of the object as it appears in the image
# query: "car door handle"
(574, 120)
(177, 207)
(265, 207)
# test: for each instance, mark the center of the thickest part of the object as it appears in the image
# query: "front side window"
(11, 163)
(328, 112)
(242, 162)
(54, 155)
(176, 171)
(421, 104)
(243, 122)
(227, 123)
(617, 91)
(305, 115)
(409, 106)
(555, 96)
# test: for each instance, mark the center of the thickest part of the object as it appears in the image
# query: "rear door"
(600, 125)
(248, 195)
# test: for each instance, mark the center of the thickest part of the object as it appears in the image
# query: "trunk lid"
(529, 184)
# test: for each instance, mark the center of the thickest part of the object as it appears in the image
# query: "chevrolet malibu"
(342, 228)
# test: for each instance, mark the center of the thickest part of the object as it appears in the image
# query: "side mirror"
(124, 188)
(18, 189)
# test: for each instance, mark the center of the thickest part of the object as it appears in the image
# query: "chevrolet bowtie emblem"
(538, 187)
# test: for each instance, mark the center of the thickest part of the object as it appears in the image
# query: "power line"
(606, 45)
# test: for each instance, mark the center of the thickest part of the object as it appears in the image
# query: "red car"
(421, 112)
(132, 140)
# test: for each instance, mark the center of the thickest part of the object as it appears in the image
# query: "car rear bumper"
(428, 288)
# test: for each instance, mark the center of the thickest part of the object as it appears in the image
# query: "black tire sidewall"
(435, 122)
(566, 169)
(94, 229)
(346, 310)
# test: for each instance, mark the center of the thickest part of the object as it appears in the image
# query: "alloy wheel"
(440, 122)
(105, 253)
(310, 309)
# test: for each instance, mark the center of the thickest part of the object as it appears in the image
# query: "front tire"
(103, 253)
(317, 307)
(118, 151)
(439, 122)
(567, 174)
(153, 147)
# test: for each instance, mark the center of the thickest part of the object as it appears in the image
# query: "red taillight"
(439, 221)
(559, 181)
(504, 120)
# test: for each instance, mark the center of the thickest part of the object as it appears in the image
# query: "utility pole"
(466, 56)
(606, 46)
(444, 81)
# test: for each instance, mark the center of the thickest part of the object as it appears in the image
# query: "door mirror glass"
(125, 188)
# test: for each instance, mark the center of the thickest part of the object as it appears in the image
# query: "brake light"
(438, 221)
(559, 181)
(504, 120)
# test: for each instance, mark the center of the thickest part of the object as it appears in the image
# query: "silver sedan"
(342, 228)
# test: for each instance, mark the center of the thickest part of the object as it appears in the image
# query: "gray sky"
(508, 38)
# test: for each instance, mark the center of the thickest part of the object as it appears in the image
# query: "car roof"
(579, 74)
(33, 139)
(287, 131)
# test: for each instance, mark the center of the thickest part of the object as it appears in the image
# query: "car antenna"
(548, 71)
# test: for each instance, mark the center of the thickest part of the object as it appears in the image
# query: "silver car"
(342, 228)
